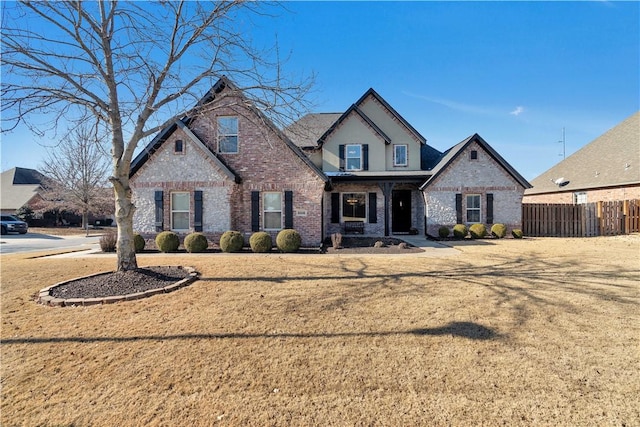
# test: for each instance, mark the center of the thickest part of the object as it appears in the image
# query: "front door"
(400, 211)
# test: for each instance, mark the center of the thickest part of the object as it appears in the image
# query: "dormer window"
(474, 155)
(178, 147)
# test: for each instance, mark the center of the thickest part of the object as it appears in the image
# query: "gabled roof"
(222, 84)
(18, 186)
(306, 132)
(454, 152)
(612, 159)
(393, 112)
(354, 109)
(157, 142)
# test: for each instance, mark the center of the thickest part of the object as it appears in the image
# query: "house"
(20, 187)
(366, 171)
(385, 179)
(226, 168)
(606, 169)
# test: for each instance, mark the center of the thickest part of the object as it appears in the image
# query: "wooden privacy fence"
(583, 220)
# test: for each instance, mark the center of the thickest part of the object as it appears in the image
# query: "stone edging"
(44, 296)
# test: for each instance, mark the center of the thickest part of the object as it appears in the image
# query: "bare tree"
(135, 67)
(78, 174)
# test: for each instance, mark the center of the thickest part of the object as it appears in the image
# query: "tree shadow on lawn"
(468, 330)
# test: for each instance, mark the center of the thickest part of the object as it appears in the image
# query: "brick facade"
(479, 176)
(264, 162)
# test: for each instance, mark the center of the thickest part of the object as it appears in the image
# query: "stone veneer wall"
(465, 176)
(190, 171)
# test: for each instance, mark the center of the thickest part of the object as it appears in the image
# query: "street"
(16, 243)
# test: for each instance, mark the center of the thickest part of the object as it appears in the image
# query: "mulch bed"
(120, 283)
(365, 245)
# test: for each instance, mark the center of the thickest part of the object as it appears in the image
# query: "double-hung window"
(272, 205)
(473, 208)
(399, 155)
(353, 157)
(228, 134)
(180, 208)
(354, 206)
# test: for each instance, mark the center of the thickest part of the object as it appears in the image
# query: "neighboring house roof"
(222, 84)
(18, 187)
(450, 155)
(355, 109)
(306, 132)
(611, 160)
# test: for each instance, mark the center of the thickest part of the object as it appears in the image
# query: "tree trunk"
(124, 220)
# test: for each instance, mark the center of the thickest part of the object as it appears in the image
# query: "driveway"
(17, 243)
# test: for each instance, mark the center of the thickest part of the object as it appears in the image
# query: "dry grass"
(532, 332)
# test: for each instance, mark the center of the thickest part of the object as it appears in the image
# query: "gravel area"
(120, 283)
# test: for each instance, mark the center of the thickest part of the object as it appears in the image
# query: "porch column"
(387, 188)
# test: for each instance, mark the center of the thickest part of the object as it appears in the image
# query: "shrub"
(288, 240)
(516, 233)
(477, 231)
(138, 242)
(379, 244)
(498, 230)
(167, 241)
(108, 242)
(196, 242)
(336, 240)
(460, 231)
(260, 242)
(231, 241)
(443, 231)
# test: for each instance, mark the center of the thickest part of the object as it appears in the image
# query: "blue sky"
(517, 73)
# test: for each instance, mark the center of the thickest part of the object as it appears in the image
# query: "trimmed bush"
(260, 242)
(477, 231)
(167, 241)
(196, 242)
(443, 231)
(231, 241)
(460, 231)
(108, 242)
(498, 230)
(516, 233)
(288, 240)
(138, 242)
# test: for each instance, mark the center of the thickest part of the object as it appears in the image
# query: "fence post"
(599, 218)
(625, 217)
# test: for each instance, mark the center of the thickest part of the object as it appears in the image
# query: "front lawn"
(511, 332)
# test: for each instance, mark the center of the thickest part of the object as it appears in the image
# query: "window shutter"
(335, 208)
(288, 209)
(365, 157)
(459, 208)
(373, 209)
(197, 213)
(159, 210)
(255, 211)
(341, 155)
(489, 208)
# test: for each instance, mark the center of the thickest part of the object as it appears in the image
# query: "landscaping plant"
(231, 241)
(196, 242)
(498, 230)
(288, 240)
(477, 231)
(260, 242)
(460, 231)
(167, 241)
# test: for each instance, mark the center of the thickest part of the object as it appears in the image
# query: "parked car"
(12, 224)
